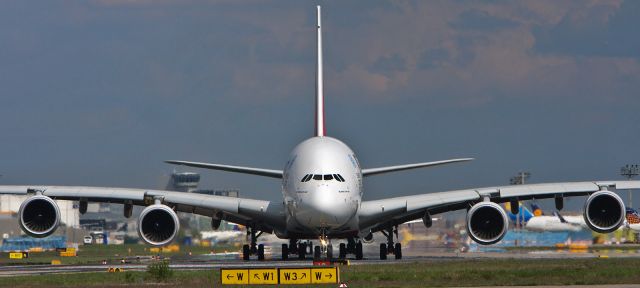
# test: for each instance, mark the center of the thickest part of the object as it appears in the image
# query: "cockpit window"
(325, 177)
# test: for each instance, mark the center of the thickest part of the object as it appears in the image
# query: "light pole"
(630, 171)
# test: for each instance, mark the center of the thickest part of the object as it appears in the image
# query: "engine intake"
(39, 216)
(487, 223)
(158, 225)
(604, 212)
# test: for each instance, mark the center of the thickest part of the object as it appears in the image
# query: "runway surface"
(231, 260)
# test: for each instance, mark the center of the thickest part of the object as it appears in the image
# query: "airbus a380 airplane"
(322, 199)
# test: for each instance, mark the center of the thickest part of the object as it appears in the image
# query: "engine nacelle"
(158, 225)
(604, 211)
(487, 223)
(427, 220)
(39, 216)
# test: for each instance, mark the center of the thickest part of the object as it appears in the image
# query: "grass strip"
(430, 273)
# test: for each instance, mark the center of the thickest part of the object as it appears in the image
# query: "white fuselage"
(574, 223)
(322, 203)
(553, 224)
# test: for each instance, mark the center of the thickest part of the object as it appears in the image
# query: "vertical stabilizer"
(320, 130)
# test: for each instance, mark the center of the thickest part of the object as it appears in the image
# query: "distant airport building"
(188, 182)
(25, 243)
(93, 224)
(183, 181)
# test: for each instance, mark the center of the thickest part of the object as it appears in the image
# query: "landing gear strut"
(325, 248)
(253, 248)
(352, 247)
(296, 247)
(292, 248)
(389, 247)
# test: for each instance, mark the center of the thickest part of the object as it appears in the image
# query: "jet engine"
(39, 216)
(487, 223)
(158, 225)
(604, 211)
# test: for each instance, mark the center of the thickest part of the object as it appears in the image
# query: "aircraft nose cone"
(324, 200)
(325, 207)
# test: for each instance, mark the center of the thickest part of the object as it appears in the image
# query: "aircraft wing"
(239, 169)
(265, 215)
(378, 214)
(380, 170)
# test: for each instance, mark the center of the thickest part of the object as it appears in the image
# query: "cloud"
(456, 52)
(389, 64)
(481, 52)
(605, 30)
(481, 20)
(359, 82)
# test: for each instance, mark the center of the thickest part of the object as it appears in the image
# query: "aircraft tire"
(245, 252)
(261, 252)
(342, 251)
(359, 251)
(383, 251)
(302, 249)
(285, 252)
(398, 251)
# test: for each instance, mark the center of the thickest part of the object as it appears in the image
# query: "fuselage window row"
(325, 177)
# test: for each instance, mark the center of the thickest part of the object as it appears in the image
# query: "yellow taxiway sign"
(18, 255)
(295, 275)
(234, 276)
(282, 276)
(263, 276)
(324, 275)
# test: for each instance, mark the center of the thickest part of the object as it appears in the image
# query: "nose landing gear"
(325, 248)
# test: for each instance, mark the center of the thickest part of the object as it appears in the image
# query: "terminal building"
(188, 182)
(183, 181)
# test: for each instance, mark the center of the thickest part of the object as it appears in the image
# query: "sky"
(100, 92)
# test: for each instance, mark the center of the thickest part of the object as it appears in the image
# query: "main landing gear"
(389, 247)
(322, 251)
(352, 247)
(253, 248)
(297, 247)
